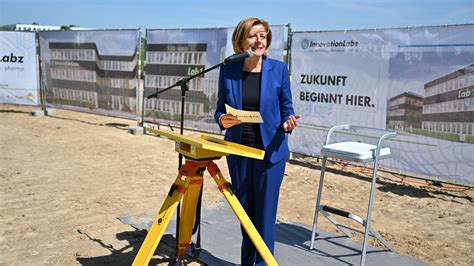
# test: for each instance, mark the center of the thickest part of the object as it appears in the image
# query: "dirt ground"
(64, 180)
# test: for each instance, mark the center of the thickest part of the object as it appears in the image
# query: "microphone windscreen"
(249, 52)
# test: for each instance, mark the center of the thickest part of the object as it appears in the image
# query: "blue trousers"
(256, 183)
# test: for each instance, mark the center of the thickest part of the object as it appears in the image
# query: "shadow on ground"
(164, 253)
(15, 112)
(387, 186)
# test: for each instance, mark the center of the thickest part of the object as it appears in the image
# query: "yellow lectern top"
(207, 146)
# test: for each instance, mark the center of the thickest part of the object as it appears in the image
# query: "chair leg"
(369, 213)
(318, 203)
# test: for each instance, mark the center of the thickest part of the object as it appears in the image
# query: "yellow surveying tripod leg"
(239, 211)
(161, 221)
(188, 213)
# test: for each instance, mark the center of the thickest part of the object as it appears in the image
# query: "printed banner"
(416, 81)
(173, 54)
(18, 68)
(91, 70)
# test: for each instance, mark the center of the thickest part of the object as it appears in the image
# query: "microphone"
(237, 57)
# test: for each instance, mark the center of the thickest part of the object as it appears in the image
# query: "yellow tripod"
(199, 154)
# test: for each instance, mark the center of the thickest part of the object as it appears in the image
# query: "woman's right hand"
(229, 120)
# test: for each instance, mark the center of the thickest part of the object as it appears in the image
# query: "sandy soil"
(65, 179)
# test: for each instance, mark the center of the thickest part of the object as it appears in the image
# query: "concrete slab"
(50, 111)
(37, 112)
(220, 242)
(136, 130)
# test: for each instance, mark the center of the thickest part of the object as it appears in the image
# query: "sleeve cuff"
(219, 121)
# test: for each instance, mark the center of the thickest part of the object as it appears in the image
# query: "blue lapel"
(237, 84)
(266, 76)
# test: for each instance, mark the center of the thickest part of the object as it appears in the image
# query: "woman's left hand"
(291, 123)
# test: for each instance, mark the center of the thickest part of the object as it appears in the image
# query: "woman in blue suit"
(256, 84)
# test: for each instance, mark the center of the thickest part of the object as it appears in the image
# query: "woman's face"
(256, 41)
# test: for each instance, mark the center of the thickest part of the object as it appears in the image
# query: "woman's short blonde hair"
(241, 32)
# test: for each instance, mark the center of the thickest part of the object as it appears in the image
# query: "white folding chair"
(353, 151)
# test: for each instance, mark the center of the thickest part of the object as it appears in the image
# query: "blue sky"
(303, 15)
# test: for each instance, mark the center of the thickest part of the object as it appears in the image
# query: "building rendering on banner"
(405, 111)
(167, 64)
(211, 83)
(81, 76)
(449, 103)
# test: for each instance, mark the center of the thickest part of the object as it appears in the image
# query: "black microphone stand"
(184, 84)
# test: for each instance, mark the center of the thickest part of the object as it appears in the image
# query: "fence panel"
(94, 71)
(18, 68)
(173, 54)
(418, 81)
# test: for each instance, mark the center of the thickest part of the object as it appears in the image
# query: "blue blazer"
(275, 104)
